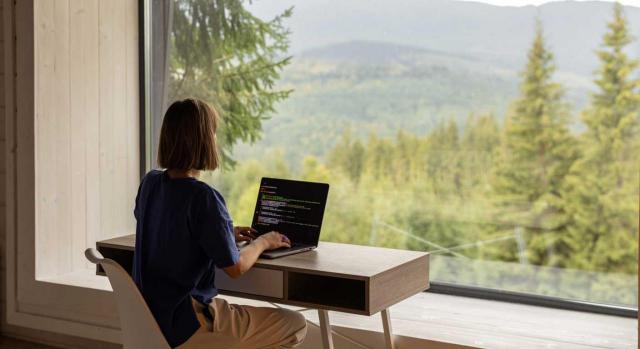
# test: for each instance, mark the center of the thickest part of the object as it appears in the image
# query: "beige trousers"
(245, 327)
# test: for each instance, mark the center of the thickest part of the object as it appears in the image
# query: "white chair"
(139, 329)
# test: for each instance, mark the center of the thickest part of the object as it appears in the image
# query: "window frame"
(144, 61)
(435, 287)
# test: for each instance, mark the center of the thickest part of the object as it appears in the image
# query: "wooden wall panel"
(132, 108)
(57, 125)
(3, 177)
(106, 106)
(92, 117)
(2, 106)
(84, 124)
(1, 78)
(45, 139)
(53, 164)
(61, 142)
(87, 149)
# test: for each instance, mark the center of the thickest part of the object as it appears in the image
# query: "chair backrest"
(139, 328)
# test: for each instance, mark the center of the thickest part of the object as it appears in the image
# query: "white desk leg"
(325, 329)
(386, 324)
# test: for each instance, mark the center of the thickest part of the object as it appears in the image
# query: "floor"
(497, 325)
(10, 343)
(477, 323)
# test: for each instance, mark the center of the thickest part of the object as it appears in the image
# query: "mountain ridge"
(496, 34)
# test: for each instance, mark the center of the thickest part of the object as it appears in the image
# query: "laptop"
(292, 208)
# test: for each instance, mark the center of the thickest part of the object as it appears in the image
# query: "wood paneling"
(86, 127)
(84, 116)
(29, 307)
(2, 111)
(55, 101)
(2, 168)
(5, 14)
(53, 164)
(132, 129)
(10, 343)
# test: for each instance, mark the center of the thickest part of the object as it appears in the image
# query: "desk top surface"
(328, 259)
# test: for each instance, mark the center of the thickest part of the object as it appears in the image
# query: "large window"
(503, 140)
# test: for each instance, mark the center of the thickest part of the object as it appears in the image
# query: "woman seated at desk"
(184, 230)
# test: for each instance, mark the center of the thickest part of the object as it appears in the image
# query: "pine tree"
(348, 156)
(536, 154)
(603, 187)
(379, 154)
(478, 148)
(223, 54)
(442, 160)
(404, 158)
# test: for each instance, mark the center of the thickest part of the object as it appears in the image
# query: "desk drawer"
(256, 281)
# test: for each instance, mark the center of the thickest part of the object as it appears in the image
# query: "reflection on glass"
(497, 138)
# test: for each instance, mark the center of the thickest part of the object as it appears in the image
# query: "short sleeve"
(136, 207)
(212, 228)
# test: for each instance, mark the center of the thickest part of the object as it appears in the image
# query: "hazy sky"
(539, 2)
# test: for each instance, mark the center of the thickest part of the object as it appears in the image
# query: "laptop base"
(272, 254)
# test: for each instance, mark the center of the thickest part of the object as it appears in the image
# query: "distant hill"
(496, 34)
(375, 52)
(379, 66)
(379, 88)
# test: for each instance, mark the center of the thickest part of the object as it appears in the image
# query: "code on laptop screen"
(293, 208)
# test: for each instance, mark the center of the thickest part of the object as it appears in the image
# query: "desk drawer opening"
(327, 290)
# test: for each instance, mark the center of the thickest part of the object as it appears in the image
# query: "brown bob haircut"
(188, 137)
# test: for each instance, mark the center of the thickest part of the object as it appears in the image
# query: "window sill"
(84, 278)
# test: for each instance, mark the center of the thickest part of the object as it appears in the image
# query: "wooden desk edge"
(374, 283)
(127, 242)
(418, 271)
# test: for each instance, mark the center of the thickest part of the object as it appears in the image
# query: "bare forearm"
(248, 257)
(249, 254)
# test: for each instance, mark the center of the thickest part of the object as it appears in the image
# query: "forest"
(517, 199)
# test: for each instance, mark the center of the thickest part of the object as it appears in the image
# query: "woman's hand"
(244, 233)
(250, 253)
(275, 240)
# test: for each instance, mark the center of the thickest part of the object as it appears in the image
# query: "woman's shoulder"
(149, 178)
(208, 199)
(207, 190)
(153, 174)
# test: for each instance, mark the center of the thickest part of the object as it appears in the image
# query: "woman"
(184, 232)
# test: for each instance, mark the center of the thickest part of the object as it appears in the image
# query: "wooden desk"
(348, 278)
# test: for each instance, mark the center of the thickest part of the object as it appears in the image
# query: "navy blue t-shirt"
(183, 230)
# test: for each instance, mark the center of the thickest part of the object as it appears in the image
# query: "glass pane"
(501, 139)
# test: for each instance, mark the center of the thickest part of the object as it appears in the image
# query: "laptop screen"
(293, 208)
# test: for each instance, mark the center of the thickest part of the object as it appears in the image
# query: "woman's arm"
(249, 254)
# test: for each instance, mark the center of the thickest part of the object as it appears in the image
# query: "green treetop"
(603, 184)
(225, 55)
(536, 154)
(348, 155)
